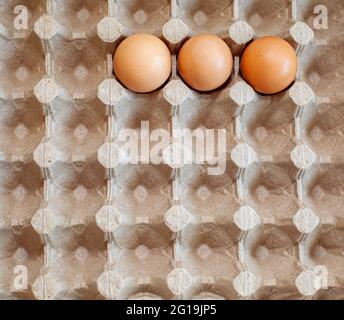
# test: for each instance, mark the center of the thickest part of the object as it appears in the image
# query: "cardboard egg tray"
(79, 222)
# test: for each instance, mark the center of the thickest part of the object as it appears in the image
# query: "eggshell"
(205, 62)
(269, 65)
(142, 63)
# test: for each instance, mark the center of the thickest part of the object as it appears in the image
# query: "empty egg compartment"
(135, 108)
(322, 252)
(137, 273)
(208, 252)
(326, 18)
(17, 17)
(267, 125)
(21, 261)
(143, 120)
(141, 16)
(75, 192)
(75, 258)
(322, 130)
(322, 68)
(271, 189)
(22, 127)
(209, 197)
(210, 119)
(78, 18)
(271, 253)
(203, 16)
(78, 127)
(79, 66)
(21, 66)
(267, 18)
(322, 187)
(21, 192)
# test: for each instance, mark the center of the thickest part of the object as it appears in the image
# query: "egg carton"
(78, 221)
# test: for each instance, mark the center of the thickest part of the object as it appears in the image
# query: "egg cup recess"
(269, 64)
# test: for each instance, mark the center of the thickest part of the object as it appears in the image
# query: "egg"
(142, 63)
(269, 65)
(205, 62)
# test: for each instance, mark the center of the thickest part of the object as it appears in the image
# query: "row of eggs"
(142, 63)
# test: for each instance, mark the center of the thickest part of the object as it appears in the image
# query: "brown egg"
(205, 62)
(142, 63)
(269, 65)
